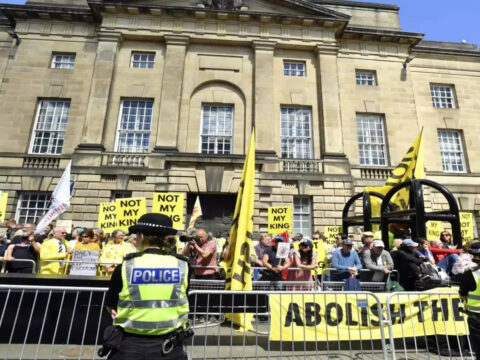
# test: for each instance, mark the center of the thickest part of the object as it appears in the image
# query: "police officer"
(470, 293)
(147, 297)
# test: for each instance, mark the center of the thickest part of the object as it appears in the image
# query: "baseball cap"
(306, 242)
(279, 238)
(347, 241)
(378, 243)
(409, 242)
(475, 249)
(367, 233)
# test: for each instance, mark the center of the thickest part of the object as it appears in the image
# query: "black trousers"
(474, 329)
(136, 347)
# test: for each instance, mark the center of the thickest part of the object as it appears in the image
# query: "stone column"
(92, 135)
(263, 115)
(329, 101)
(172, 82)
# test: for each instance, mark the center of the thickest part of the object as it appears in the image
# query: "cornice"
(109, 36)
(47, 12)
(264, 45)
(382, 35)
(177, 40)
(357, 4)
(447, 48)
(326, 50)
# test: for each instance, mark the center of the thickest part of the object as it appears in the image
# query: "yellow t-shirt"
(89, 246)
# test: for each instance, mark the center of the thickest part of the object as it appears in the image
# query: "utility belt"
(113, 335)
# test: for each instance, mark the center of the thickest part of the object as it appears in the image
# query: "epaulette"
(132, 255)
(181, 257)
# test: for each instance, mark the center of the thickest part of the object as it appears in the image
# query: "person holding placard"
(54, 248)
(305, 259)
(113, 252)
(273, 262)
(87, 241)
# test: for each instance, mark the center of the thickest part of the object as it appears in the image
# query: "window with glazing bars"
(296, 134)
(294, 68)
(451, 149)
(63, 61)
(217, 129)
(32, 206)
(302, 216)
(49, 129)
(133, 135)
(366, 77)
(442, 96)
(371, 140)
(143, 60)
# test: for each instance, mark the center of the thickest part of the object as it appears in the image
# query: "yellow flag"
(196, 213)
(411, 167)
(238, 271)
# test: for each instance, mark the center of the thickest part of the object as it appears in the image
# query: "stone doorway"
(217, 212)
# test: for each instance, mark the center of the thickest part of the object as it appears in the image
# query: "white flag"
(60, 200)
(196, 213)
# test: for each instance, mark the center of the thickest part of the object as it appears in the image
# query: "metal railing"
(28, 261)
(327, 284)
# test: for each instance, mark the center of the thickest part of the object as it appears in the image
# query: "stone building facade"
(161, 95)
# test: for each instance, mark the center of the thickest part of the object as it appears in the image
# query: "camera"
(188, 236)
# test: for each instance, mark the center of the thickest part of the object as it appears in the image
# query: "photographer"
(23, 247)
(204, 252)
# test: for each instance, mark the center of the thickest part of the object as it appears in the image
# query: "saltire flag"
(196, 213)
(60, 200)
(238, 270)
(411, 167)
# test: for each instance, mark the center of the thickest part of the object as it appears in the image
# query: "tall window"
(442, 96)
(302, 216)
(294, 68)
(50, 125)
(142, 60)
(133, 134)
(32, 206)
(217, 129)
(296, 134)
(371, 140)
(451, 149)
(365, 77)
(62, 61)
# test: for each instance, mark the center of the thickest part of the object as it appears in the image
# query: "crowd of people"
(50, 252)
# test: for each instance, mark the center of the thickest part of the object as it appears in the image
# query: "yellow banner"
(3, 205)
(466, 225)
(107, 217)
(306, 317)
(330, 232)
(279, 219)
(434, 229)
(411, 167)
(128, 211)
(170, 204)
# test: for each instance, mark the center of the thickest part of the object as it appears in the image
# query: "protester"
(87, 241)
(367, 240)
(407, 264)
(304, 259)
(469, 292)
(204, 251)
(396, 245)
(378, 261)
(132, 240)
(463, 263)
(345, 261)
(423, 250)
(98, 236)
(3, 247)
(274, 265)
(54, 247)
(46, 232)
(337, 246)
(113, 252)
(444, 258)
(263, 244)
(76, 233)
(447, 240)
(23, 247)
(11, 228)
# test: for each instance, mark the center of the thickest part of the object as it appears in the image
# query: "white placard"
(282, 250)
(88, 265)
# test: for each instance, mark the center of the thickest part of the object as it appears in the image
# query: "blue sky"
(441, 20)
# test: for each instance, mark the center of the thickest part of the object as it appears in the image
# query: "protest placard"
(170, 204)
(107, 217)
(466, 225)
(434, 229)
(67, 224)
(129, 211)
(330, 232)
(3, 205)
(279, 219)
(88, 259)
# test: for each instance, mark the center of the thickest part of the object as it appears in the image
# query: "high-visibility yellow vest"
(153, 300)
(473, 299)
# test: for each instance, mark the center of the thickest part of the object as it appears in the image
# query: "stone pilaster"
(167, 131)
(263, 115)
(92, 136)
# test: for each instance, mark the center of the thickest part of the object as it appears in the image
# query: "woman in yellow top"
(87, 242)
(114, 250)
(54, 247)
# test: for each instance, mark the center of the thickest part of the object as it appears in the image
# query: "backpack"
(429, 271)
(352, 284)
